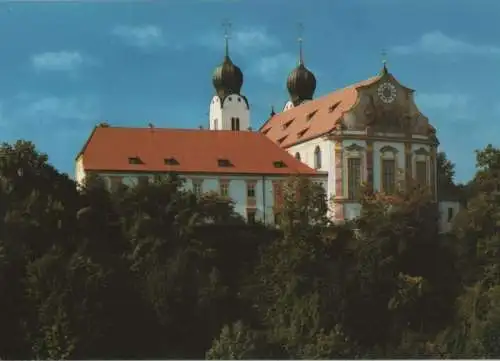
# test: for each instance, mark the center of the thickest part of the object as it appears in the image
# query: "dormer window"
(287, 124)
(235, 123)
(333, 107)
(171, 161)
(279, 164)
(265, 131)
(224, 163)
(302, 132)
(135, 160)
(282, 139)
(311, 114)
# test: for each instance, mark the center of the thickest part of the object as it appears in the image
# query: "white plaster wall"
(264, 197)
(234, 106)
(445, 225)
(288, 105)
(79, 171)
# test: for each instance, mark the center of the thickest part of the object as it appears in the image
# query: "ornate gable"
(386, 106)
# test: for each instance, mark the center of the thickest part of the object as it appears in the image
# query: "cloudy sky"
(65, 66)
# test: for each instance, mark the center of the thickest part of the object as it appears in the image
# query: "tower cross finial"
(300, 39)
(227, 28)
(383, 53)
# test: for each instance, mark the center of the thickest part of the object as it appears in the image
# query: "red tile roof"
(195, 151)
(313, 118)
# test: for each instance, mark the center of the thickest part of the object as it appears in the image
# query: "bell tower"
(229, 109)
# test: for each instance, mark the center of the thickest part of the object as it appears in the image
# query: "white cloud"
(454, 106)
(243, 41)
(443, 101)
(59, 61)
(146, 36)
(438, 43)
(37, 111)
(274, 67)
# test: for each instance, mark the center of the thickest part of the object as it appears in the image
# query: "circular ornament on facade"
(387, 92)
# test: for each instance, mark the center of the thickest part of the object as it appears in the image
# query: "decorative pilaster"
(433, 172)
(408, 166)
(339, 182)
(369, 164)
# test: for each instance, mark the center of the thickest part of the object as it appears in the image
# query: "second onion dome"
(301, 82)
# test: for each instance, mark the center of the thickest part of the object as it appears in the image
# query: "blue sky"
(65, 66)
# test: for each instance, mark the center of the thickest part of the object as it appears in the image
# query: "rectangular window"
(116, 183)
(143, 180)
(251, 216)
(353, 177)
(277, 218)
(389, 176)
(224, 189)
(197, 188)
(250, 190)
(421, 172)
(450, 214)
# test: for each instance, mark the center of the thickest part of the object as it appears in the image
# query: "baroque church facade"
(370, 132)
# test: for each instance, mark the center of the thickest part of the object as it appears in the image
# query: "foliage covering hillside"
(153, 272)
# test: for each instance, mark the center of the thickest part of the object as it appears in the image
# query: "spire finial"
(384, 61)
(227, 28)
(300, 40)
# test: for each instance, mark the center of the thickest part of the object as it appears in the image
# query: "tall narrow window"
(450, 214)
(197, 188)
(317, 158)
(224, 189)
(353, 177)
(421, 172)
(297, 156)
(251, 190)
(251, 216)
(389, 176)
(235, 123)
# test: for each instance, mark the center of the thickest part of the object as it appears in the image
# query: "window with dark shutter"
(421, 172)
(389, 176)
(353, 178)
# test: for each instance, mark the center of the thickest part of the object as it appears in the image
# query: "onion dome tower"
(229, 109)
(227, 77)
(301, 82)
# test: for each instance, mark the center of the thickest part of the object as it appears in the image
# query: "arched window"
(317, 158)
(235, 123)
(297, 155)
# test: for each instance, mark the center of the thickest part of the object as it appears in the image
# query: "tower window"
(317, 158)
(239, 99)
(229, 99)
(297, 156)
(235, 123)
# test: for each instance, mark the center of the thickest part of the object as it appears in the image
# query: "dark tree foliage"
(155, 272)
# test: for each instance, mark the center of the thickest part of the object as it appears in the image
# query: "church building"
(370, 132)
